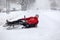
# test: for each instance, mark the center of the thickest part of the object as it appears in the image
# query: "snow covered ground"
(48, 27)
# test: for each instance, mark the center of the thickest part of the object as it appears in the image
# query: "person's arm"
(25, 18)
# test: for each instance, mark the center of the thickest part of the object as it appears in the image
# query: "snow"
(48, 27)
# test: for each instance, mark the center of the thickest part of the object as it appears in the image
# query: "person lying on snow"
(26, 22)
(30, 21)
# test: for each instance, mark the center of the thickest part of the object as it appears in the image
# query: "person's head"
(37, 15)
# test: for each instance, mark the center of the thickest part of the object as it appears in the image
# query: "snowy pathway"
(48, 27)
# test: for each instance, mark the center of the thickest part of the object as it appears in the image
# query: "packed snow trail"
(48, 27)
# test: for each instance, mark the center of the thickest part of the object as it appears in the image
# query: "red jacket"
(31, 20)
